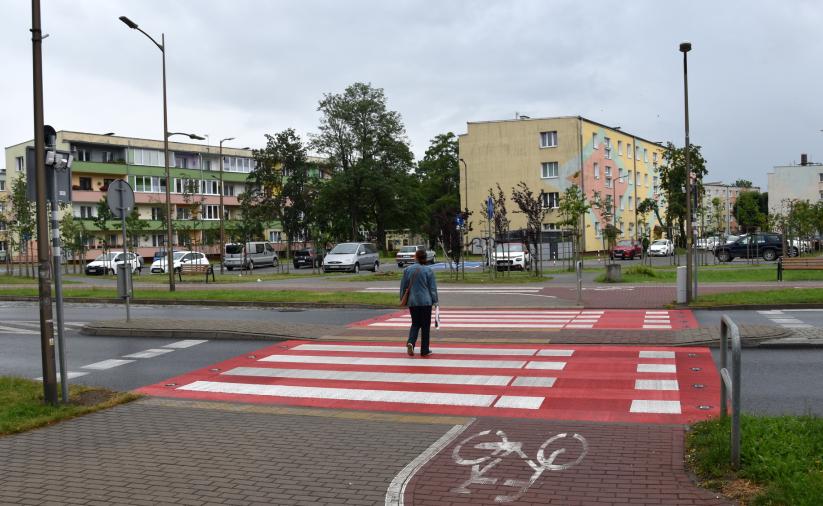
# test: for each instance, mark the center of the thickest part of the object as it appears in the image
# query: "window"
(189, 186)
(2, 186)
(646, 180)
(630, 178)
(150, 157)
(83, 155)
(594, 140)
(631, 204)
(596, 171)
(228, 190)
(549, 170)
(274, 236)
(654, 184)
(158, 240)
(85, 183)
(608, 181)
(157, 213)
(551, 200)
(237, 164)
(619, 148)
(621, 204)
(821, 177)
(107, 156)
(597, 229)
(608, 171)
(211, 187)
(181, 161)
(2, 227)
(19, 163)
(821, 194)
(548, 139)
(149, 184)
(183, 213)
(608, 146)
(654, 159)
(629, 151)
(210, 212)
(646, 155)
(86, 212)
(550, 226)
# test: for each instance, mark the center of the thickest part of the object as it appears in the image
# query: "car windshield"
(408, 249)
(302, 253)
(345, 249)
(624, 243)
(234, 249)
(504, 248)
(659, 243)
(178, 255)
(107, 257)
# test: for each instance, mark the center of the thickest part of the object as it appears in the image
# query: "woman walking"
(420, 282)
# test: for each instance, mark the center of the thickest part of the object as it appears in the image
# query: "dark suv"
(766, 244)
(308, 257)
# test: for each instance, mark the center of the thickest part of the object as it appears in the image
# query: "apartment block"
(612, 167)
(100, 159)
(789, 183)
(727, 194)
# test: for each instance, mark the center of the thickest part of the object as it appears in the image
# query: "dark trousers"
(421, 317)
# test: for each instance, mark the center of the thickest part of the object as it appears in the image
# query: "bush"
(640, 270)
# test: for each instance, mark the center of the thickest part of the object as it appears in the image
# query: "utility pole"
(685, 47)
(222, 212)
(44, 272)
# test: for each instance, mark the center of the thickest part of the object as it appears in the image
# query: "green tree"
(747, 211)
(103, 220)
(673, 181)
(261, 204)
(573, 206)
(717, 215)
(438, 173)
(135, 228)
(299, 188)
(21, 223)
(531, 205)
(743, 183)
(366, 144)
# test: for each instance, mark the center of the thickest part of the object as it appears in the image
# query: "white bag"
(437, 316)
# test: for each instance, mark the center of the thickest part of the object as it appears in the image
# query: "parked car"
(308, 257)
(351, 257)
(179, 259)
(107, 263)
(250, 255)
(661, 248)
(511, 255)
(768, 245)
(626, 250)
(405, 255)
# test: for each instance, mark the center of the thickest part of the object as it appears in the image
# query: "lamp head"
(685, 47)
(196, 137)
(131, 24)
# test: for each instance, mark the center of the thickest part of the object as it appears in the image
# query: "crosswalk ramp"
(526, 319)
(595, 383)
(32, 327)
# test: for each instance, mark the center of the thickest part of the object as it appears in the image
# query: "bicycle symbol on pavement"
(502, 448)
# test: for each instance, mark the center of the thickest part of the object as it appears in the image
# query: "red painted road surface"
(589, 383)
(529, 319)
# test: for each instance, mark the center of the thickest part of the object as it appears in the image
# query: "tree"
(299, 188)
(366, 144)
(747, 211)
(532, 207)
(673, 181)
(103, 219)
(573, 205)
(262, 201)
(135, 227)
(72, 236)
(439, 177)
(22, 221)
(743, 183)
(717, 215)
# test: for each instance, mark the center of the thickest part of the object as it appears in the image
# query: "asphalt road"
(775, 381)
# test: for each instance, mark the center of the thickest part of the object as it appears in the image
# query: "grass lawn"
(22, 407)
(478, 278)
(23, 280)
(226, 277)
(712, 274)
(225, 294)
(781, 459)
(773, 297)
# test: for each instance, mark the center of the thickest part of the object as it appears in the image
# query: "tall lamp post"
(166, 134)
(466, 216)
(222, 212)
(691, 291)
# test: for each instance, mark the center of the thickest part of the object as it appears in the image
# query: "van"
(351, 257)
(250, 255)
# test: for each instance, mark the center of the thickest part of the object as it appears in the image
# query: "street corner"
(512, 461)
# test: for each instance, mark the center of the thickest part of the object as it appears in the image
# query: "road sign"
(489, 208)
(120, 198)
(57, 166)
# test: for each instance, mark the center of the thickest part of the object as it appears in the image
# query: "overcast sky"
(243, 68)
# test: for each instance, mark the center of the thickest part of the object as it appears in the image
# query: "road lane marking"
(400, 362)
(106, 364)
(656, 385)
(663, 407)
(186, 343)
(150, 353)
(386, 377)
(519, 402)
(395, 349)
(664, 368)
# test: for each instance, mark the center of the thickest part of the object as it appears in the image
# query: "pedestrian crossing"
(32, 327)
(560, 319)
(782, 319)
(476, 290)
(594, 383)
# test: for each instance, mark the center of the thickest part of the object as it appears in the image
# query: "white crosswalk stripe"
(784, 320)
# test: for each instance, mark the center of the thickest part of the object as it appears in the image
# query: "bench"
(798, 264)
(206, 269)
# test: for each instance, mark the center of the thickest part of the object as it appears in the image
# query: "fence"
(730, 386)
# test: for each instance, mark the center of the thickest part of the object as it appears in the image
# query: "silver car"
(352, 257)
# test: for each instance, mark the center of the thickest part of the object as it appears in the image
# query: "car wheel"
(793, 252)
(251, 266)
(356, 269)
(399, 265)
(230, 268)
(724, 256)
(769, 255)
(275, 262)
(295, 265)
(111, 272)
(325, 271)
(376, 266)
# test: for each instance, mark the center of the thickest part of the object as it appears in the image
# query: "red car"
(627, 250)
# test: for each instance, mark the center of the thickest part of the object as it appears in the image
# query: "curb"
(185, 334)
(755, 307)
(196, 302)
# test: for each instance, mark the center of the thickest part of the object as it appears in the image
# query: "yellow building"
(610, 166)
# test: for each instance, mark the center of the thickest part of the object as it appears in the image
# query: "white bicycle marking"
(502, 449)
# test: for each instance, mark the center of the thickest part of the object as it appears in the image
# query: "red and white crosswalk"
(595, 383)
(525, 319)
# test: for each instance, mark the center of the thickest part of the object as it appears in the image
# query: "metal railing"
(730, 386)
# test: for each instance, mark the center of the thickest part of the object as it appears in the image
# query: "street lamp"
(222, 212)
(691, 291)
(463, 232)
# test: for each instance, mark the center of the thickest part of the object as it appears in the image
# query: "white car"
(406, 255)
(179, 259)
(661, 248)
(107, 263)
(511, 256)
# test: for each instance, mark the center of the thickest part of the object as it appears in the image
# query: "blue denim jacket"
(424, 290)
